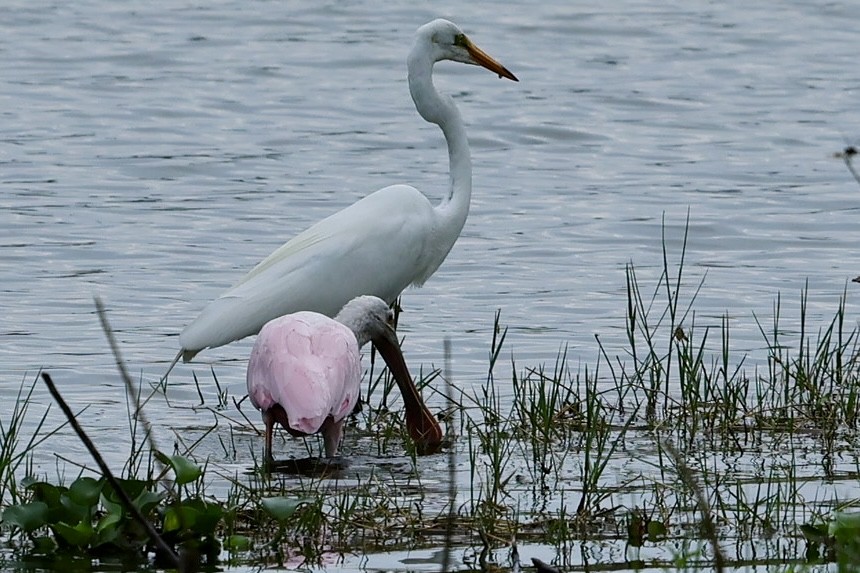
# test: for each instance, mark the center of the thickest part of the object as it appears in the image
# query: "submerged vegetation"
(676, 453)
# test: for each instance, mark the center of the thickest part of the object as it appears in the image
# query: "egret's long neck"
(440, 109)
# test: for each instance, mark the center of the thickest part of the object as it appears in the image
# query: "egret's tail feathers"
(188, 355)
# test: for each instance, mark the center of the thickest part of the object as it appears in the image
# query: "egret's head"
(448, 42)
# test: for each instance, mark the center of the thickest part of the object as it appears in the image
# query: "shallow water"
(151, 155)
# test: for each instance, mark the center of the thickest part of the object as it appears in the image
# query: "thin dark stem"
(452, 461)
(126, 378)
(851, 168)
(847, 156)
(135, 513)
(708, 527)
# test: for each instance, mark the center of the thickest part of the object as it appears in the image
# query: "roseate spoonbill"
(379, 245)
(305, 373)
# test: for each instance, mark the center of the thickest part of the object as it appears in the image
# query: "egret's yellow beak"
(487, 61)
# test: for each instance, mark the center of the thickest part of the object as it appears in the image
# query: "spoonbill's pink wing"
(310, 365)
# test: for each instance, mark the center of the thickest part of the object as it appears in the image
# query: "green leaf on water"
(27, 516)
(28, 481)
(69, 511)
(845, 522)
(85, 491)
(105, 536)
(132, 488)
(185, 470)
(111, 506)
(237, 543)
(44, 491)
(845, 529)
(147, 500)
(656, 530)
(60, 506)
(174, 519)
(636, 530)
(282, 508)
(208, 516)
(815, 533)
(109, 520)
(78, 535)
(43, 545)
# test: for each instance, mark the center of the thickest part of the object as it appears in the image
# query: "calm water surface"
(152, 154)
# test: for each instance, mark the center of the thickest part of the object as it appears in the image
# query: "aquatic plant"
(15, 448)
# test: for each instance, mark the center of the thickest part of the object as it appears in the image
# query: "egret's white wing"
(377, 246)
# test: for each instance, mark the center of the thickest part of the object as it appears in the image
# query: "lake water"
(152, 153)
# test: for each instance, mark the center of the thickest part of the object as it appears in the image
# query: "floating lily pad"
(85, 491)
(282, 508)
(78, 535)
(27, 516)
(237, 543)
(184, 469)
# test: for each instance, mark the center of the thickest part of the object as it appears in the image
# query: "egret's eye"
(390, 318)
(461, 40)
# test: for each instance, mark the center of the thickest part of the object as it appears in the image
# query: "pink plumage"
(309, 365)
(305, 373)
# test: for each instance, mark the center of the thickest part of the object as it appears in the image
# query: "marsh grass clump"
(548, 415)
(16, 447)
(702, 389)
(673, 446)
(816, 385)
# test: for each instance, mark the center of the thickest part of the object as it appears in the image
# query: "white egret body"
(378, 246)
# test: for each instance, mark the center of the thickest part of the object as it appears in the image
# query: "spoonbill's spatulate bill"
(378, 246)
(305, 373)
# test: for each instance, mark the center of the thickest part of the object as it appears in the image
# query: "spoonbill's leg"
(269, 420)
(332, 434)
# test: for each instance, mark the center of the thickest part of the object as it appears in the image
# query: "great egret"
(379, 245)
(305, 373)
